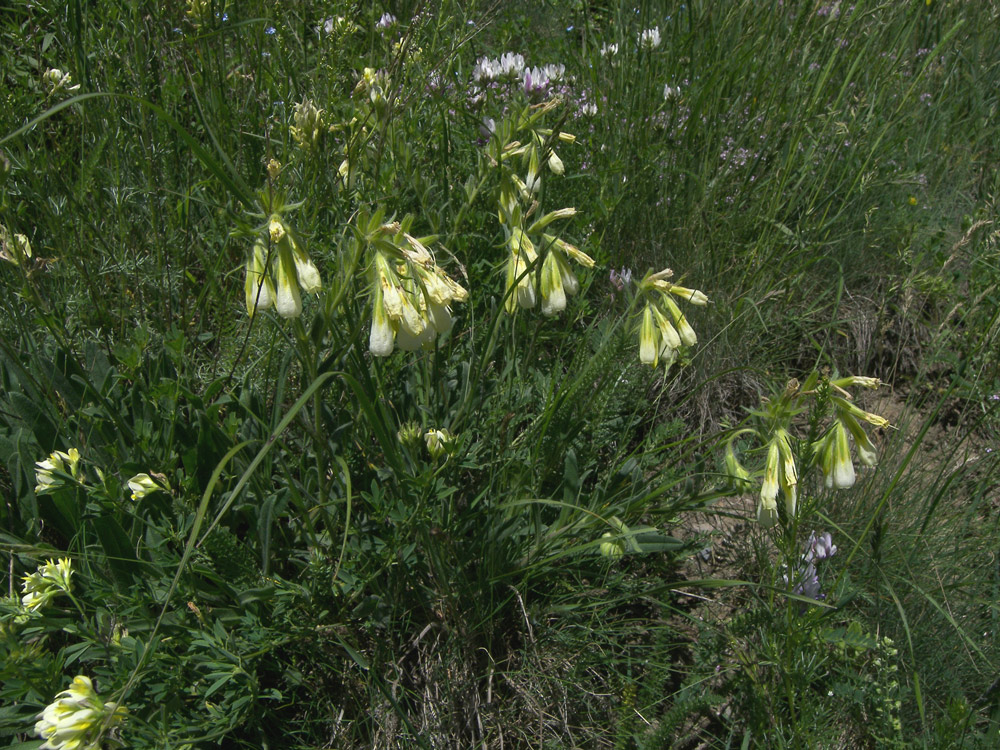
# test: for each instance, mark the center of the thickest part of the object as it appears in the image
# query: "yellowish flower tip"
(143, 484)
(648, 344)
(845, 407)
(551, 286)
(866, 450)
(852, 380)
(912, 200)
(738, 476)
(273, 169)
(693, 296)
(439, 442)
(75, 720)
(767, 508)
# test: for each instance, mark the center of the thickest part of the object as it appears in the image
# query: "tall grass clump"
(486, 375)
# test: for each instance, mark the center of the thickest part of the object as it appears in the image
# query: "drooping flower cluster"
(663, 328)
(411, 293)
(308, 124)
(537, 262)
(779, 473)
(833, 451)
(75, 719)
(50, 473)
(278, 270)
(46, 583)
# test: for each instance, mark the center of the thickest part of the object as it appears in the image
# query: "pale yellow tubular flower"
(842, 477)
(866, 450)
(414, 330)
(382, 337)
(388, 282)
(693, 296)
(577, 255)
(306, 271)
(656, 280)
(288, 301)
(542, 222)
(551, 287)
(684, 329)
(861, 380)
(259, 288)
(767, 509)
(58, 462)
(846, 407)
(736, 472)
(556, 165)
(649, 349)
(787, 476)
(522, 256)
(570, 283)
(417, 251)
(670, 336)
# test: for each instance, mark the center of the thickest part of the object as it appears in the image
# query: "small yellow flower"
(46, 583)
(47, 472)
(912, 200)
(143, 484)
(75, 719)
(308, 124)
(439, 442)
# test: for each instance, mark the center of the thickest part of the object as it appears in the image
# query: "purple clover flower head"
(819, 547)
(620, 279)
(804, 581)
(808, 583)
(536, 82)
(386, 21)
